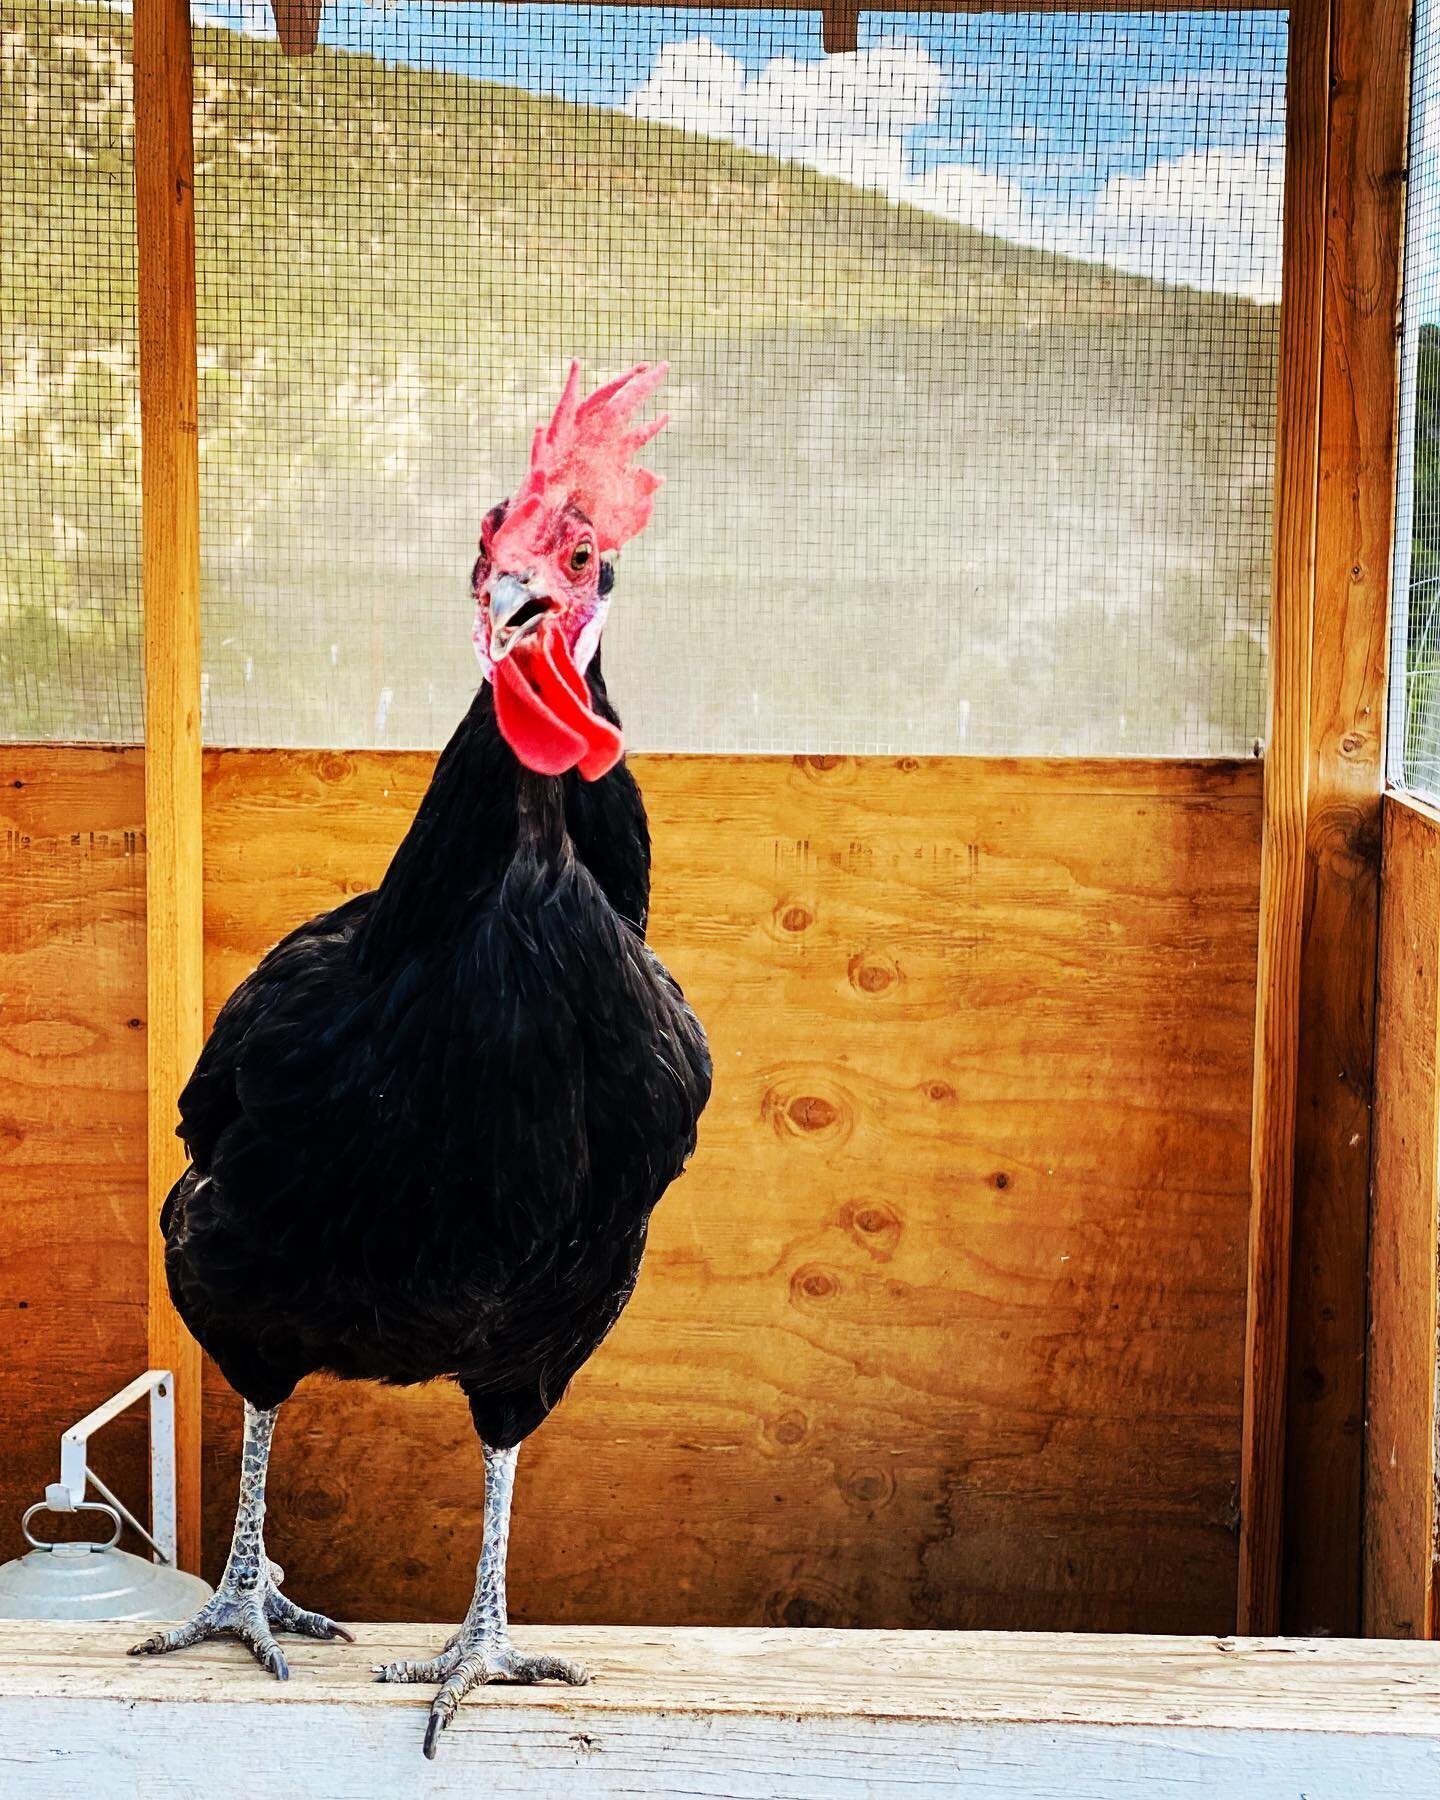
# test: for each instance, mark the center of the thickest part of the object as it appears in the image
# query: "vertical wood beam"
(840, 27)
(170, 563)
(1401, 1422)
(1301, 1475)
(1282, 871)
(297, 25)
(1359, 377)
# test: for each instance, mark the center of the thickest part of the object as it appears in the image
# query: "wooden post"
(840, 27)
(1359, 377)
(1282, 874)
(1405, 1243)
(170, 561)
(297, 25)
(1302, 1453)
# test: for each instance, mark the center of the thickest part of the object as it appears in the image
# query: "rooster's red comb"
(583, 456)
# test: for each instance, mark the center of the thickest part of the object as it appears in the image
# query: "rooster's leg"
(248, 1603)
(481, 1651)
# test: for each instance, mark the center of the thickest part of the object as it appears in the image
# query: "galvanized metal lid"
(83, 1582)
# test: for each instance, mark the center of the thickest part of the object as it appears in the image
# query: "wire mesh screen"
(972, 334)
(1414, 738)
(69, 396)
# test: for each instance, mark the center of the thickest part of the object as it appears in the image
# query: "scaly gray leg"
(481, 1651)
(248, 1601)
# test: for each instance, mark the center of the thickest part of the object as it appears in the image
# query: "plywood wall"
(72, 1114)
(945, 1325)
(1401, 1463)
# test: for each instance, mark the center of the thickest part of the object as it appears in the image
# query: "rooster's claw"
(476, 1662)
(251, 1615)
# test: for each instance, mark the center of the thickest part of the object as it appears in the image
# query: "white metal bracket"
(68, 1494)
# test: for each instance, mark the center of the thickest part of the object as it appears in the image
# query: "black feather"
(427, 1133)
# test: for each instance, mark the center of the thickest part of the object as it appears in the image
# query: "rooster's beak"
(516, 608)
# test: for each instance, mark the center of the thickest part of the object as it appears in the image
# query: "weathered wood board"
(945, 1324)
(812, 1715)
(72, 1113)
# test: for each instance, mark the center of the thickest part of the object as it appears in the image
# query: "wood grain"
(1401, 1425)
(811, 1715)
(1348, 674)
(1041, 1677)
(170, 565)
(72, 1114)
(945, 1324)
(1282, 876)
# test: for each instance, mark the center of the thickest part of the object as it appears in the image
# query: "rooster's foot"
(251, 1615)
(469, 1662)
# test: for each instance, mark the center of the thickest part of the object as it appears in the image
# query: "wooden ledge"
(822, 1713)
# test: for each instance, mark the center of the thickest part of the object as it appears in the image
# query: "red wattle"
(542, 707)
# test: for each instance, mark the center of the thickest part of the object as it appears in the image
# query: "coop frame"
(1324, 1531)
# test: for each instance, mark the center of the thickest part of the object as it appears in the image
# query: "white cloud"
(1205, 219)
(1208, 218)
(251, 18)
(974, 197)
(848, 116)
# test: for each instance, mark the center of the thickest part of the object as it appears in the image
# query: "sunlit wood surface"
(812, 1715)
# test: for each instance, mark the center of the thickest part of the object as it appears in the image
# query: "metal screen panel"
(1414, 737)
(973, 340)
(69, 393)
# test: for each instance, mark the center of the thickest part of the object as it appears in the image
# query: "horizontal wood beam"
(297, 22)
(954, 6)
(810, 1714)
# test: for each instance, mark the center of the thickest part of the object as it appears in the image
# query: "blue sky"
(1153, 142)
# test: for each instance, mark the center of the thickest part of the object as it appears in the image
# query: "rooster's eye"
(581, 555)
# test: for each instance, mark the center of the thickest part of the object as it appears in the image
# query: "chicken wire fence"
(973, 340)
(1414, 736)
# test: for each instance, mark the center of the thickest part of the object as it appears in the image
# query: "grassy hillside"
(1056, 475)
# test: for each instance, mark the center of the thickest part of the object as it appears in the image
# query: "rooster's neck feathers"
(481, 810)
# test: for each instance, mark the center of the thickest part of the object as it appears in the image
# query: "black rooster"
(426, 1135)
